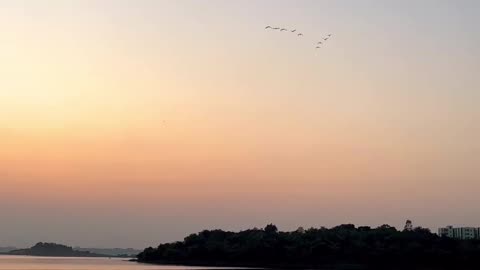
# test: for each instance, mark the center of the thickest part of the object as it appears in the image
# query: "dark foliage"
(344, 246)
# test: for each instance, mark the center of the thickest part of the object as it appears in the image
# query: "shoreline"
(222, 265)
(60, 256)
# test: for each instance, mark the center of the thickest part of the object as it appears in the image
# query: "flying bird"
(318, 47)
(319, 42)
(268, 27)
(329, 35)
(294, 30)
(299, 34)
(325, 39)
(276, 28)
(283, 29)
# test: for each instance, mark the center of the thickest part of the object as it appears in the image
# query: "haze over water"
(62, 263)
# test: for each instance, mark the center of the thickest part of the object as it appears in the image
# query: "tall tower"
(408, 226)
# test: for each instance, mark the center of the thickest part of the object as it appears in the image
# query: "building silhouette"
(463, 233)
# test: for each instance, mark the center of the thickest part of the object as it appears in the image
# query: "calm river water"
(62, 263)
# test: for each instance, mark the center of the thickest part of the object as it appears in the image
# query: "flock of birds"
(318, 44)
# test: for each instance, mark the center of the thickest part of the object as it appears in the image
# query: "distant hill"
(6, 249)
(52, 249)
(122, 252)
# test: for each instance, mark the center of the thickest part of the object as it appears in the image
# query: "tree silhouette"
(270, 228)
(381, 247)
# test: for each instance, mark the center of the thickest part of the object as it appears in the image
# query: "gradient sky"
(130, 123)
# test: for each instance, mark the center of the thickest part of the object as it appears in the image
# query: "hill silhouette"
(114, 252)
(341, 247)
(6, 249)
(52, 249)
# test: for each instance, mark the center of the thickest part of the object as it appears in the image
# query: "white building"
(447, 232)
(463, 233)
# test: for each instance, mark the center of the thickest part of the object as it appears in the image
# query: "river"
(68, 263)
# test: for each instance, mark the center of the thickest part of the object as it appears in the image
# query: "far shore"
(221, 265)
(73, 257)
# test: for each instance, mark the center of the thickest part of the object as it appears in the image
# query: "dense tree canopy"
(341, 246)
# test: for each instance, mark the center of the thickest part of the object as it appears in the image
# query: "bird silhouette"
(318, 44)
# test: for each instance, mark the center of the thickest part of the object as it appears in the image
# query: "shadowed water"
(67, 263)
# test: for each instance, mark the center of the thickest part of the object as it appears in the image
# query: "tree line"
(340, 247)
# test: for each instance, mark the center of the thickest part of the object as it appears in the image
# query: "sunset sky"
(131, 123)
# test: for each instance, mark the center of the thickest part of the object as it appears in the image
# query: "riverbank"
(341, 247)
